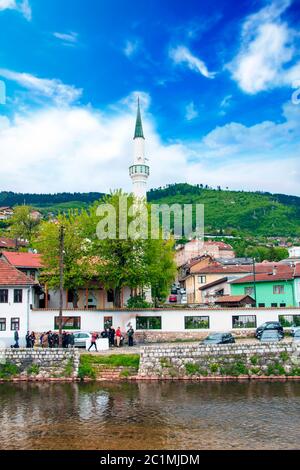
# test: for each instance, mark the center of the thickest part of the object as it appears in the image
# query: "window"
(110, 295)
(282, 305)
(196, 323)
(249, 291)
(278, 289)
(201, 279)
(244, 321)
(261, 305)
(15, 324)
(3, 296)
(32, 274)
(2, 324)
(274, 305)
(68, 323)
(18, 296)
(148, 323)
(108, 321)
(289, 320)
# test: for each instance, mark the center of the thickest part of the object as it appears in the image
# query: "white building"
(139, 171)
(17, 298)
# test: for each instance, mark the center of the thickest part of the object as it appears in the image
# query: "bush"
(254, 360)
(137, 301)
(284, 356)
(192, 369)
(8, 370)
(86, 370)
(33, 370)
(214, 367)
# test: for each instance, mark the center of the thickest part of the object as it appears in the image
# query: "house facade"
(276, 289)
(197, 248)
(18, 296)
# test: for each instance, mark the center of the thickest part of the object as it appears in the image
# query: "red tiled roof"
(23, 260)
(259, 268)
(232, 298)
(11, 276)
(214, 283)
(297, 270)
(10, 243)
(221, 245)
(280, 275)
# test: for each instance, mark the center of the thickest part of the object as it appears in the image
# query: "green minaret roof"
(138, 125)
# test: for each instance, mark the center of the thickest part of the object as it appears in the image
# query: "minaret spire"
(138, 124)
(139, 171)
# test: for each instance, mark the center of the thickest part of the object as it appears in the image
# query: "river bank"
(183, 362)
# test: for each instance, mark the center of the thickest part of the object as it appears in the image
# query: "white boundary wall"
(171, 320)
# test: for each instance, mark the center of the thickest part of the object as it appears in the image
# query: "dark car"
(269, 336)
(174, 290)
(219, 338)
(269, 325)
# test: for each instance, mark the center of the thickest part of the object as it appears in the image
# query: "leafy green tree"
(23, 224)
(77, 267)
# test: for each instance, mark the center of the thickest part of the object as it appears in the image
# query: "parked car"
(174, 290)
(80, 338)
(296, 335)
(173, 298)
(219, 338)
(268, 336)
(182, 291)
(294, 329)
(183, 299)
(269, 325)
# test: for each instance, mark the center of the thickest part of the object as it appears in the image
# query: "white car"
(182, 291)
(80, 338)
(294, 329)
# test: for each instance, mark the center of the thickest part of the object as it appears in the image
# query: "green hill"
(249, 213)
(253, 213)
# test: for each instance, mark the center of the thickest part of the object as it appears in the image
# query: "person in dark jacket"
(71, 340)
(111, 336)
(130, 334)
(28, 340)
(16, 338)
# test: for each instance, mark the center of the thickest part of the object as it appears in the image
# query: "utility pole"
(61, 281)
(254, 281)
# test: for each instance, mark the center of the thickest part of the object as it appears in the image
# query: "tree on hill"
(23, 225)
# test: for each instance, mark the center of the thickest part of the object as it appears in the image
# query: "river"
(168, 415)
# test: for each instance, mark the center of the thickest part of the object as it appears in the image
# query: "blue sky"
(218, 83)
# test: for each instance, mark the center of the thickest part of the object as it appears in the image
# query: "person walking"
(16, 338)
(95, 336)
(118, 336)
(130, 334)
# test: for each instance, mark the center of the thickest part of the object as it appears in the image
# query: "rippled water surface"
(150, 416)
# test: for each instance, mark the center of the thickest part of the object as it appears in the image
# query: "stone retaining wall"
(232, 360)
(158, 336)
(39, 364)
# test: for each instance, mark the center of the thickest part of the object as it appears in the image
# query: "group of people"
(115, 337)
(50, 339)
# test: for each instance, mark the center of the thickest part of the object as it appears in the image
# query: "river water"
(147, 416)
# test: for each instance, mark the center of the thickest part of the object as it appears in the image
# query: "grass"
(114, 360)
(86, 370)
(69, 368)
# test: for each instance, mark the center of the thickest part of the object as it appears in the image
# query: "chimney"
(274, 271)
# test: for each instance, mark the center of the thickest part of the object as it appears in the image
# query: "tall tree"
(23, 224)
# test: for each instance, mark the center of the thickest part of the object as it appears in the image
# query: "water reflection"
(150, 416)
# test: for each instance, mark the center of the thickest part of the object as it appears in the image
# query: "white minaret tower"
(139, 171)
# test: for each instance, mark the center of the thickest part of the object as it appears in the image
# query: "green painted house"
(276, 289)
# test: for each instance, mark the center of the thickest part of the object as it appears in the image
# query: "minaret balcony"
(139, 170)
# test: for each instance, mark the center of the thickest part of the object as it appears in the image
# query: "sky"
(218, 81)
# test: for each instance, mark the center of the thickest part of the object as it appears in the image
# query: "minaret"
(139, 171)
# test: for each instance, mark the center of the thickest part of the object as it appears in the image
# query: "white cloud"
(52, 89)
(191, 111)
(83, 149)
(22, 6)
(131, 48)
(182, 55)
(268, 45)
(70, 38)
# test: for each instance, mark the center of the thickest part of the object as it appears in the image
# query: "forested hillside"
(235, 212)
